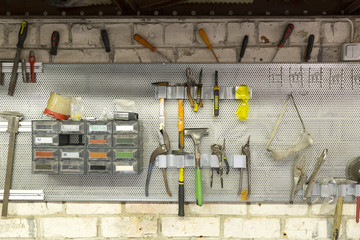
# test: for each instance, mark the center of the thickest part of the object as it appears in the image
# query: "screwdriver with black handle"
(216, 91)
(20, 45)
(105, 39)
(243, 47)
(309, 47)
(55, 38)
(289, 29)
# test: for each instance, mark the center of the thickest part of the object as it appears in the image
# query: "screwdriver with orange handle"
(145, 43)
(207, 42)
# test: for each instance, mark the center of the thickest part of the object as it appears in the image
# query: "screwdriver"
(145, 43)
(105, 39)
(286, 35)
(20, 45)
(243, 47)
(309, 47)
(216, 91)
(207, 42)
(55, 38)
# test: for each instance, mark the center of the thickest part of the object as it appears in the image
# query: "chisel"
(20, 46)
(309, 47)
(207, 42)
(145, 43)
(285, 36)
(243, 47)
(216, 91)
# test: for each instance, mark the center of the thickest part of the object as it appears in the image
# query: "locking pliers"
(164, 148)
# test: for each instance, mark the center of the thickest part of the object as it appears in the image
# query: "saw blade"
(352, 170)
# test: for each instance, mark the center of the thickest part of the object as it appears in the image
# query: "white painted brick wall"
(80, 42)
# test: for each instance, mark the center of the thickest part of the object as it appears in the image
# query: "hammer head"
(9, 114)
(196, 133)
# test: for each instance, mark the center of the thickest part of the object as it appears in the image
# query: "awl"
(285, 36)
(20, 46)
(145, 43)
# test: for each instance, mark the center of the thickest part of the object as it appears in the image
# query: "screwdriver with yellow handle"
(207, 42)
(145, 43)
(216, 91)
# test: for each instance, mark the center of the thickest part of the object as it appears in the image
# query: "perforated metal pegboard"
(327, 96)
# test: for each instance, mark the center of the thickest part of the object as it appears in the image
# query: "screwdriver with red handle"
(286, 35)
(55, 38)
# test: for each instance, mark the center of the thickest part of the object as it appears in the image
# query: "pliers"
(299, 176)
(164, 148)
(245, 150)
(219, 151)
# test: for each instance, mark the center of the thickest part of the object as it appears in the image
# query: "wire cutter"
(164, 148)
(245, 150)
(299, 176)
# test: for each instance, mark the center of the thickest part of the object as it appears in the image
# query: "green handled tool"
(20, 46)
(196, 135)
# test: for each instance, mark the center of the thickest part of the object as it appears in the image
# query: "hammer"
(196, 135)
(13, 127)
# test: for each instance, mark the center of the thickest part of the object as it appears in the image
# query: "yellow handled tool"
(216, 91)
(145, 43)
(181, 124)
(207, 42)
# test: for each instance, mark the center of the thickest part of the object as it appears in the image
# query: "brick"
(46, 31)
(336, 32)
(179, 34)
(17, 228)
(68, 227)
(129, 226)
(270, 33)
(323, 209)
(82, 56)
(7, 53)
(32, 37)
(93, 208)
(37, 208)
(85, 35)
(352, 229)
(302, 31)
(204, 55)
(119, 34)
(216, 33)
(349, 209)
(2, 33)
(262, 54)
(190, 226)
(153, 33)
(218, 209)
(278, 209)
(251, 228)
(329, 54)
(305, 228)
(152, 208)
(237, 31)
(142, 55)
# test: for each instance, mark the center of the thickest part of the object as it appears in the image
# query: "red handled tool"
(55, 38)
(32, 66)
(285, 36)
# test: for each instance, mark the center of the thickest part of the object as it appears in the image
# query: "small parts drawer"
(72, 154)
(46, 139)
(127, 140)
(45, 126)
(71, 167)
(128, 154)
(99, 154)
(99, 140)
(99, 167)
(72, 127)
(45, 167)
(126, 167)
(43, 153)
(99, 127)
(126, 127)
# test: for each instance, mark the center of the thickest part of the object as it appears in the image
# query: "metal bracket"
(19, 195)
(7, 67)
(23, 126)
